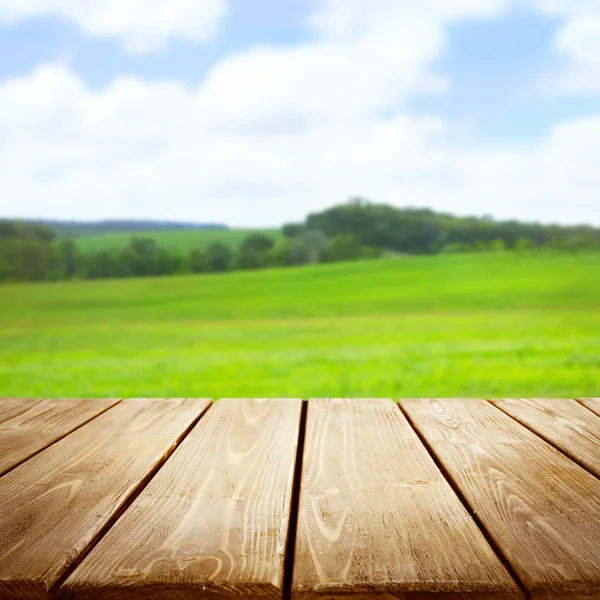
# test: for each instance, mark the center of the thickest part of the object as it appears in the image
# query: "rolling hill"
(495, 325)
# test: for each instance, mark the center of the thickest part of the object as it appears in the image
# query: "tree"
(404, 230)
(8, 228)
(292, 229)
(198, 261)
(219, 257)
(143, 257)
(28, 260)
(104, 264)
(423, 231)
(315, 241)
(168, 262)
(255, 252)
(342, 248)
(42, 233)
(69, 258)
(140, 256)
(257, 242)
(251, 259)
(280, 255)
(300, 253)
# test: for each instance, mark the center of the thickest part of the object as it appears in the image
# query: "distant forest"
(358, 229)
(423, 231)
(65, 229)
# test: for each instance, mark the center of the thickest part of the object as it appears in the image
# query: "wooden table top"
(185, 498)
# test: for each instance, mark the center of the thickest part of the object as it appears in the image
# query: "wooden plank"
(55, 505)
(566, 424)
(11, 407)
(377, 519)
(214, 522)
(41, 423)
(592, 403)
(541, 509)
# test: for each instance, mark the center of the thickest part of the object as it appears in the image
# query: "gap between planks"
(76, 467)
(587, 442)
(592, 404)
(543, 512)
(216, 518)
(128, 502)
(288, 564)
(490, 540)
(32, 404)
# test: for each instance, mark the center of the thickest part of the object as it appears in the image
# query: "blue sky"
(100, 60)
(493, 67)
(254, 112)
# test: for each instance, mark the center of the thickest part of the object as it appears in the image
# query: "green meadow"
(458, 325)
(183, 240)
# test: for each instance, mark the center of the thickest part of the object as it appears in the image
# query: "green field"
(469, 325)
(183, 240)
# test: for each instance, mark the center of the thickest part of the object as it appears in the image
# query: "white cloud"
(150, 149)
(349, 18)
(555, 178)
(581, 38)
(142, 24)
(578, 41)
(323, 80)
(273, 133)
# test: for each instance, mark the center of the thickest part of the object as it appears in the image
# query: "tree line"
(358, 229)
(33, 252)
(65, 229)
(423, 231)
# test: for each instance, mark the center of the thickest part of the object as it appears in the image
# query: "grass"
(183, 240)
(471, 325)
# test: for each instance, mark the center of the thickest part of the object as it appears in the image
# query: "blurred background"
(303, 198)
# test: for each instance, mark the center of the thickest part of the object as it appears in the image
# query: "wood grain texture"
(592, 403)
(566, 424)
(53, 506)
(541, 509)
(214, 522)
(377, 519)
(11, 407)
(41, 423)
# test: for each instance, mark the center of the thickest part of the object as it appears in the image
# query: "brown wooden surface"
(53, 506)
(566, 424)
(11, 407)
(592, 403)
(40, 424)
(377, 516)
(541, 509)
(214, 522)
